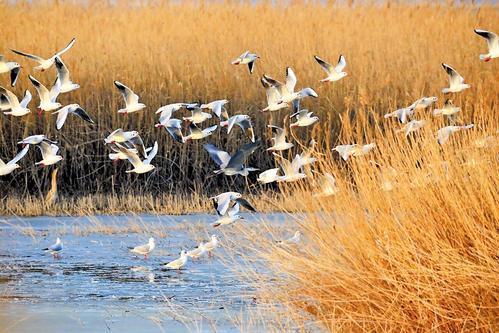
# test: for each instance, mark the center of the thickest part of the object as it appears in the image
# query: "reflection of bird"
(52, 195)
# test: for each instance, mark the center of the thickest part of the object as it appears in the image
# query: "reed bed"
(171, 52)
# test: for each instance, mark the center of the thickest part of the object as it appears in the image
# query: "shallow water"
(98, 285)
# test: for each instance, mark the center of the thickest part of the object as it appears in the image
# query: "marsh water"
(97, 285)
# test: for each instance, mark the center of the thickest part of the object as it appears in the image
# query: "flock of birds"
(128, 145)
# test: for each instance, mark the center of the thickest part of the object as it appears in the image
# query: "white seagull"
(7, 168)
(195, 133)
(49, 154)
(174, 128)
(241, 120)
(35, 139)
(230, 217)
(235, 164)
(55, 249)
(166, 111)
(287, 90)
(47, 98)
(198, 116)
(303, 118)
(10, 66)
(444, 133)
(140, 166)
(273, 96)
(132, 137)
(46, 63)
(178, 263)
(279, 139)
(222, 202)
(456, 81)
(217, 107)
(448, 110)
(15, 108)
(334, 73)
(268, 176)
(291, 241)
(212, 244)
(423, 103)
(75, 109)
(328, 186)
(131, 99)
(197, 252)
(292, 170)
(492, 43)
(346, 151)
(246, 58)
(412, 126)
(145, 249)
(63, 76)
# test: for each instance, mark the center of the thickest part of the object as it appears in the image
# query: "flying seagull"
(303, 118)
(49, 154)
(274, 102)
(133, 137)
(140, 166)
(198, 116)
(45, 64)
(131, 99)
(444, 133)
(412, 126)
(287, 90)
(7, 168)
(217, 107)
(246, 58)
(35, 139)
(269, 176)
(334, 73)
(230, 217)
(47, 98)
(241, 120)
(75, 109)
(456, 81)
(10, 66)
(448, 110)
(346, 151)
(279, 139)
(63, 76)
(197, 134)
(232, 165)
(174, 128)
(291, 169)
(222, 202)
(15, 108)
(292, 240)
(328, 186)
(492, 43)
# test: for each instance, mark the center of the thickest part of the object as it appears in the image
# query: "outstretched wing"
(220, 157)
(19, 155)
(245, 203)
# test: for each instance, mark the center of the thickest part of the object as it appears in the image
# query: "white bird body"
(444, 133)
(174, 128)
(423, 103)
(49, 154)
(212, 244)
(217, 108)
(197, 134)
(448, 109)
(63, 76)
(303, 118)
(145, 249)
(235, 164)
(412, 126)
(178, 263)
(492, 44)
(241, 120)
(198, 116)
(56, 248)
(35, 139)
(223, 201)
(47, 98)
(166, 112)
(197, 252)
(229, 218)
(131, 99)
(334, 73)
(292, 170)
(346, 151)
(119, 136)
(287, 90)
(45, 64)
(279, 139)
(246, 58)
(456, 81)
(292, 240)
(268, 176)
(7, 168)
(75, 109)
(10, 66)
(16, 109)
(140, 166)
(328, 186)
(401, 114)
(274, 99)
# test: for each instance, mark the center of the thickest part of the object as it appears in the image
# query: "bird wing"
(55, 90)
(139, 145)
(43, 92)
(290, 80)
(280, 136)
(62, 71)
(454, 77)
(234, 210)
(239, 158)
(327, 67)
(245, 203)
(62, 114)
(492, 39)
(27, 98)
(151, 153)
(128, 95)
(210, 129)
(231, 122)
(193, 129)
(223, 203)
(27, 55)
(80, 112)
(131, 156)
(220, 157)
(174, 128)
(251, 66)
(341, 64)
(217, 109)
(19, 155)
(14, 75)
(64, 50)
(11, 97)
(46, 149)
